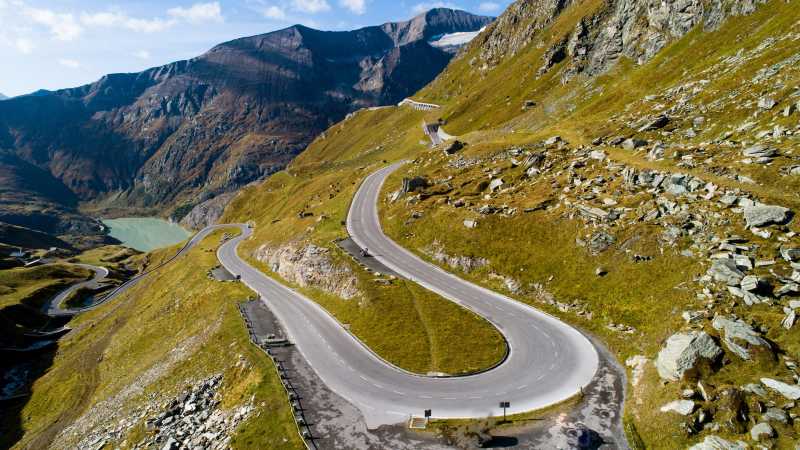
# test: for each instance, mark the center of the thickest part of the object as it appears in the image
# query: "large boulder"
(682, 407)
(759, 215)
(717, 443)
(726, 271)
(761, 431)
(790, 391)
(740, 338)
(684, 352)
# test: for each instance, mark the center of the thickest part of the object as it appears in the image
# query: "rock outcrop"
(465, 264)
(618, 28)
(683, 352)
(740, 338)
(208, 212)
(791, 392)
(309, 266)
(717, 443)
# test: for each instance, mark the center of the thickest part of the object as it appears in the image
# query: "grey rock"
(756, 389)
(766, 103)
(739, 337)
(761, 215)
(170, 444)
(788, 289)
(598, 155)
(790, 254)
(789, 318)
(717, 443)
(591, 212)
(725, 271)
(743, 262)
(761, 431)
(775, 415)
(414, 184)
(751, 283)
(495, 184)
(760, 151)
(208, 212)
(693, 316)
(632, 143)
(655, 123)
(683, 351)
(469, 223)
(553, 140)
(600, 242)
(683, 407)
(790, 391)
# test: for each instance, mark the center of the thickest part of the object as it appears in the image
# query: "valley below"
(145, 233)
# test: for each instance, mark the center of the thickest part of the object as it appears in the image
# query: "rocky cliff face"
(310, 266)
(171, 135)
(208, 212)
(636, 29)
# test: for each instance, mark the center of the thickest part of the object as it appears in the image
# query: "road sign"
(427, 413)
(505, 405)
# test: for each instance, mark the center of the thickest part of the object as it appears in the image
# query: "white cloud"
(488, 7)
(424, 7)
(148, 25)
(71, 63)
(102, 19)
(24, 45)
(116, 19)
(355, 6)
(274, 12)
(311, 6)
(198, 13)
(142, 54)
(63, 27)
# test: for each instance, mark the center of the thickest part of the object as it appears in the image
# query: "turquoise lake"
(146, 233)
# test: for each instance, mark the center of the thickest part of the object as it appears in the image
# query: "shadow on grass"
(20, 369)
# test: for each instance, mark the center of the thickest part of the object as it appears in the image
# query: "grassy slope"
(32, 285)
(536, 246)
(123, 344)
(484, 109)
(425, 334)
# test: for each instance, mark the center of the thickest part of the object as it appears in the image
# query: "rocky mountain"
(606, 32)
(628, 166)
(174, 136)
(2, 97)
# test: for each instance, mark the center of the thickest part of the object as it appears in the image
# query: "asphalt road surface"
(548, 361)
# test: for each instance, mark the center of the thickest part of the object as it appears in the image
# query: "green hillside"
(542, 245)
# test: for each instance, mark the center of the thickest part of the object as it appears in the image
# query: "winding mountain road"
(548, 360)
(54, 307)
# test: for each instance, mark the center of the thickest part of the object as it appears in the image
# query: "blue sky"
(51, 44)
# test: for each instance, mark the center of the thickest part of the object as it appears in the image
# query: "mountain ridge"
(173, 136)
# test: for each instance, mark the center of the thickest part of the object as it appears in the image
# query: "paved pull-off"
(548, 361)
